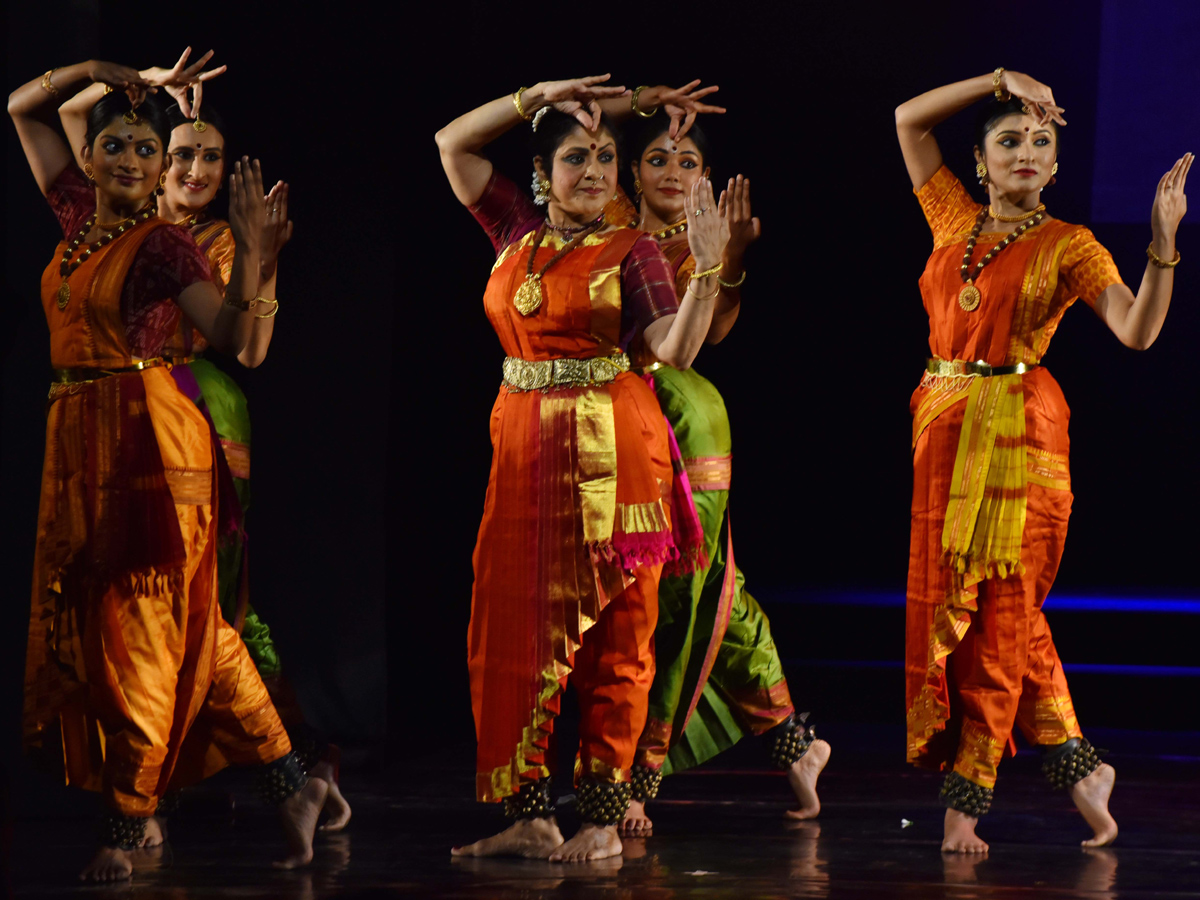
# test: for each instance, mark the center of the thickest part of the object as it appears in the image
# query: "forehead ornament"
(199, 125)
(131, 118)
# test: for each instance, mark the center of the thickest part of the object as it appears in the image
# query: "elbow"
(679, 360)
(1140, 341)
(444, 140)
(902, 116)
(251, 360)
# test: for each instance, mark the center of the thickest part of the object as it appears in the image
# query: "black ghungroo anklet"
(168, 804)
(1067, 763)
(279, 780)
(531, 802)
(122, 832)
(792, 739)
(645, 781)
(965, 795)
(309, 744)
(602, 802)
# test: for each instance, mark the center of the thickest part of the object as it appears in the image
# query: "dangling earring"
(1053, 172)
(162, 184)
(637, 185)
(981, 173)
(89, 173)
(541, 189)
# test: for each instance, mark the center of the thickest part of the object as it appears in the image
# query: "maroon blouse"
(167, 262)
(647, 284)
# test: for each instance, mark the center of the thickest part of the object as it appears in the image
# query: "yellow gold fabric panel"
(595, 431)
(640, 518)
(599, 771)
(979, 753)
(1053, 719)
(190, 486)
(710, 473)
(939, 396)
(1050, 470)
(928, 713)
(604, 288)
(237, 457)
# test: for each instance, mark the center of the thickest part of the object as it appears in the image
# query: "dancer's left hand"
(683, 104)
(177, 80)
(708, 232)
(744, 228)
(1170, 202)
(277, 229)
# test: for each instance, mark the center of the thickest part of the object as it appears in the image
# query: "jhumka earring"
(162, 184)
(981, 172)
(1053, 172)
(541, 189)
(89, 173)
(637, 185)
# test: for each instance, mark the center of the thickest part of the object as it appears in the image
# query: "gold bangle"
(516, 99)
(633, 103)
(271, 314)
(47, 84)
(242, 305)
(1157, 260)
(713, 271)
(703, 299)
(736, 284)
(1002, 96)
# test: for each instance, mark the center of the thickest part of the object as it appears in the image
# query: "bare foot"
(1091, 796)
(637, 823)
(960, 834)
(336, 807)
(530, 838)
(802, 776)
(589, 843)
(298, 814)
(156, 832)
(109, 864)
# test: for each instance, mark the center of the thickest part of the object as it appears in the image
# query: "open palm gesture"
(177, 80)
(1170, 202)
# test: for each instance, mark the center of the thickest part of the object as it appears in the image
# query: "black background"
(370, 415)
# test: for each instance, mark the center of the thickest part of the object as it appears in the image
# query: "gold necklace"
(670, 230)
(530, 294)
(969, 297)
(66, 266)
(1041, 207)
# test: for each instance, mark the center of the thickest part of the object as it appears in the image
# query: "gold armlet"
(733, 284)
(633, 103)
(713, 271)
(242, 305)
(48, 85)
(272, 313)
(1002, 96)
(516, 99)
(1157, 260)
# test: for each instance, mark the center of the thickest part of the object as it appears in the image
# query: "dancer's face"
(197, 167)
(126, 161)
(1019, 154)
(584, 175)
(667, 170)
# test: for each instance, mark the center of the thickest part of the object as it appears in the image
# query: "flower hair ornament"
(541, 189)
(537, 116)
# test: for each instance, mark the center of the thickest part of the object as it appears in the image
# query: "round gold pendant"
(529, 295)
(969, 297)
(64, 295)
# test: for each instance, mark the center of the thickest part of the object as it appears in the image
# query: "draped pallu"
(718, 672)
(574, 530)
(991, 492)
(128, 661)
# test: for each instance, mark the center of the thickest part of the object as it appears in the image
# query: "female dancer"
(197, 156)
(718, 673)
(574, 531)
(991, 482)
(127, 649)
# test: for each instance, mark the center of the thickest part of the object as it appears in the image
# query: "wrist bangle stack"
(1157, 260)
(1002, 96)
(516, 99)
(633, 102)
(735, 284)
(713, 271)
(47, 84)
(272, 313)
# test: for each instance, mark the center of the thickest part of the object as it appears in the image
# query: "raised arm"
(33, 107)
(461, 142)
(916, 118)
(228, 323)
(277, 231)
(677, 339)
(744, 230)
(1137, 321)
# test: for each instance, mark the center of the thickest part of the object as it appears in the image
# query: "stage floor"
(718, 833)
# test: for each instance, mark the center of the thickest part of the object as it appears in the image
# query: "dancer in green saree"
(718, 675)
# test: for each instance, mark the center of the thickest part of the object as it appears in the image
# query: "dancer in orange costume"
(575, 529)
(992, 489)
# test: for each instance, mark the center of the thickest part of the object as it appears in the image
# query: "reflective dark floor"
(718, 833)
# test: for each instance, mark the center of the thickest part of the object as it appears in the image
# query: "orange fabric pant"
(612, 674)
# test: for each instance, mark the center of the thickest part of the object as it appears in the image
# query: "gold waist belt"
(525, 375)
(81, 375)
(951, 367)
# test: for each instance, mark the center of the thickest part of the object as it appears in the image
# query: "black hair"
(651, 129)
(209, 116)
(113, 106)
(552, 130)
(996, 110)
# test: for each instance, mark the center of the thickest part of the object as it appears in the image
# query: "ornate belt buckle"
(572, 371)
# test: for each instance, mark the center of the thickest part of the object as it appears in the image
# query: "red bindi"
(593, 146)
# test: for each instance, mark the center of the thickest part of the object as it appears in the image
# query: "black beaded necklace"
(970, 297)
(67, 266)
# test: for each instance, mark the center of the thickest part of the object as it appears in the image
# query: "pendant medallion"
(64, 295)
(969, 297)
(529, 295)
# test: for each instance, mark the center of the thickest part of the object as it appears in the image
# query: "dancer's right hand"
(708, 231)
(578, 97)
(682, 104)
(1037, 96)
(247, 205)
(176, 81)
